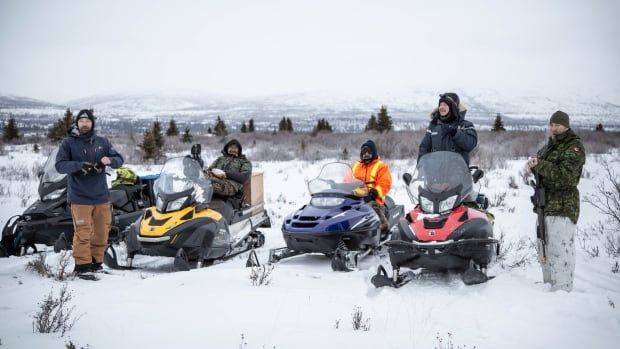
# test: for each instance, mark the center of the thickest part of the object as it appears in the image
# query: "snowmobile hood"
(156, 224)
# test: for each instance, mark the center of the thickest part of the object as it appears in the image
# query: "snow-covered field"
(306, 305)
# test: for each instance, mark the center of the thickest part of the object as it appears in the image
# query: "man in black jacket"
(83, 156)
(448, 129)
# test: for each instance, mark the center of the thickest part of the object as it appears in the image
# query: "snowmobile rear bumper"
(438, 256)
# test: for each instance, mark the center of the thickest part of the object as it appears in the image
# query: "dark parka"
(463, 142)
(560, 163)
(91, 189)
(238, 169)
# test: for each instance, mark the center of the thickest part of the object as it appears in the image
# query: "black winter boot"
(96, 266)
(82, 268)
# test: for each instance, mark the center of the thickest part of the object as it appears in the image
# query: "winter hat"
(453, 101)
(560, 117)
(372, 147)
(85, 113)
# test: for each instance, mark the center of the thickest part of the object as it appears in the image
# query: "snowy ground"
(302, 305)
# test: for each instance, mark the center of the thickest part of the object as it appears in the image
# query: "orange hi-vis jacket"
(376, 175)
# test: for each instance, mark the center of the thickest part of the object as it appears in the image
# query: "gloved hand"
(218, 173)
(449, 129)
(88, 168)
(372, 195)
(360, 192)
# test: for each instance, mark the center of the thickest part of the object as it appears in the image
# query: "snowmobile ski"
(382, 279)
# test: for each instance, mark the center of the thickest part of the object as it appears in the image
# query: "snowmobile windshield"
(182, 174)
(50, 175)
(334, 177)
(442, 181)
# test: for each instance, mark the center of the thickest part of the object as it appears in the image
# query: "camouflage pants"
(380, 210)
(560, 266)
(223, 187)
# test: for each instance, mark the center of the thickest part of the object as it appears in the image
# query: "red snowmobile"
(449, 228)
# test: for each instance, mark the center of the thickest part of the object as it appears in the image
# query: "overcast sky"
(60, 50)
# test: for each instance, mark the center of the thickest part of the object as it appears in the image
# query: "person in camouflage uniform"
(230, 171)
(559, 164)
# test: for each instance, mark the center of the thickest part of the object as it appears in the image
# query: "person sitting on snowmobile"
(230, 171)
(377, 177)
(448, 129)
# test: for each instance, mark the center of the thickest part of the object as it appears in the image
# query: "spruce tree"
(220, 127)
(10, 131)
(244, 128)
(209, 130)
(322, 125)
(384, 121)
(371, 125)
(158, 135)
(289, 125)
(599, 128)
(498, 125)
(345, 154)
(149, 146)
(59, 129)
(251, 125)
(36, 148)
(282, 125)
(187, 137)
(172, 130)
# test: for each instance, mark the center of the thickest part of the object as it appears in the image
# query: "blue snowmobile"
(336, 222)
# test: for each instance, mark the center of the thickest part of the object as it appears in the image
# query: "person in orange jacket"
(377, 177)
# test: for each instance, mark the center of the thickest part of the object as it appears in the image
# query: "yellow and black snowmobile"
(188, 224)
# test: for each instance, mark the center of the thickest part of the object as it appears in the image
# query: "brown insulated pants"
(91, 225)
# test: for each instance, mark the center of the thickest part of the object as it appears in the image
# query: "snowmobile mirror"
(407, 178)
(477, 175)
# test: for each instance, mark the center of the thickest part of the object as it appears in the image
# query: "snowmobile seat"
(123, 197)
(224, 207)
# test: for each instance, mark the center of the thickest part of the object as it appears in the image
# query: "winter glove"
(372, 195)
(360, 192)
(449, 129)
(88, 168)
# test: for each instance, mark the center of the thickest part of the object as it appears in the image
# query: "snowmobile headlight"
(160, 205)
(176, 204)
(426, 204)
(54, 195)
(326, 201)
(447, 204)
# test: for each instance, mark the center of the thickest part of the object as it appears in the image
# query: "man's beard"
(84, 129)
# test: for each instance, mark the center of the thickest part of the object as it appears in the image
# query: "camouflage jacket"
(560, 163)
(238, 169)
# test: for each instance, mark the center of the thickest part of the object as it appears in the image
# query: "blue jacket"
(73, 152)
(463, 142)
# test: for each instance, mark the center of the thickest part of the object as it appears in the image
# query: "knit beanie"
(560, 117)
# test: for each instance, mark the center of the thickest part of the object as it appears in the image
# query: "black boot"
(96, 266)
(82, 269)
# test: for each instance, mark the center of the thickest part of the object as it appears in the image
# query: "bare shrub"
(512, 183)
(55, 314)
(514, 254)
(615, 268)
(261, 275)
(448, 343)
(337, 324)
(498, 199)
(358, 321)
(60, 273)
(607, 197)
(71, 345)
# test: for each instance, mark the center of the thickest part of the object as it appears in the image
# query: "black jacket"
(73, 152)
(464, 140)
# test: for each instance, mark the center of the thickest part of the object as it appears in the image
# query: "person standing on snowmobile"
(448, 129)
(83, 156)
(559, 164)
(230, 171)
(377, 177)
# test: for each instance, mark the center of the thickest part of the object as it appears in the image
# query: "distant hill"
(18, 102)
